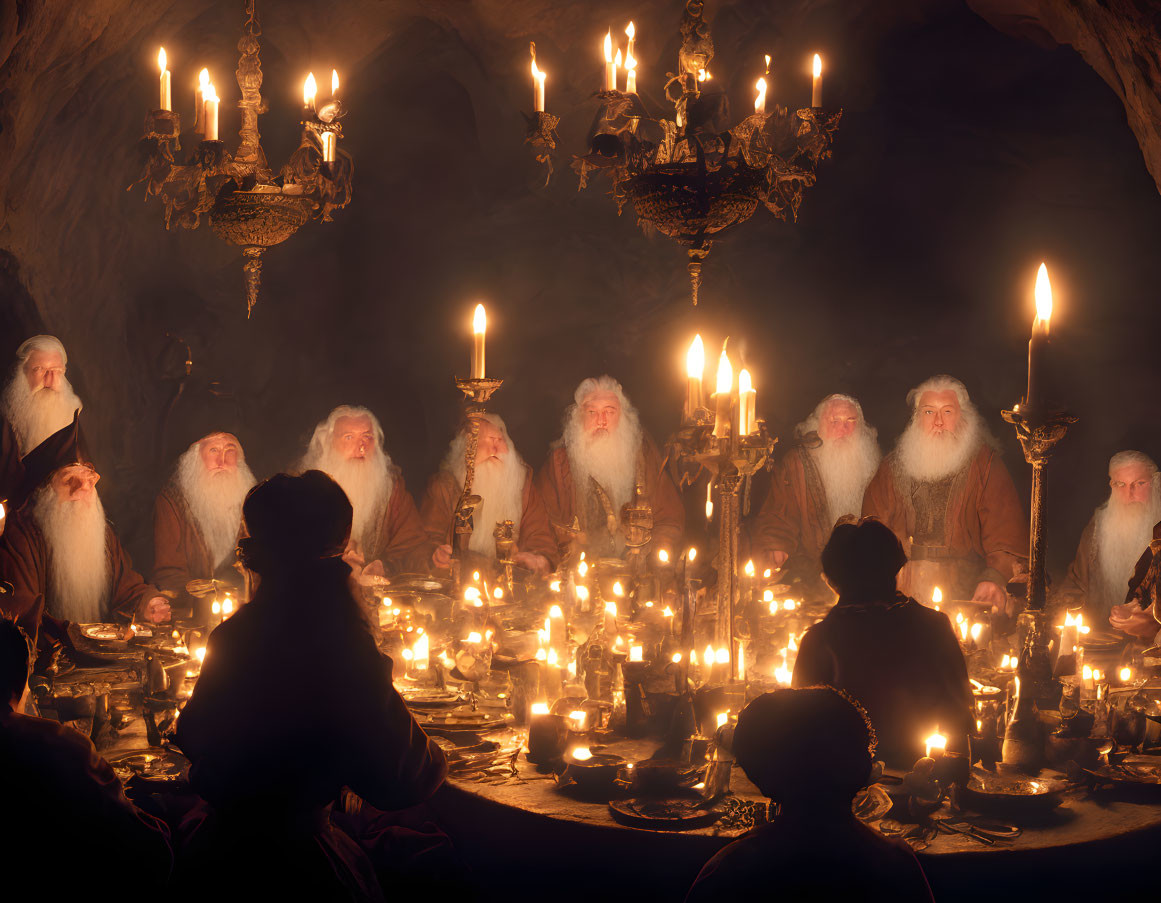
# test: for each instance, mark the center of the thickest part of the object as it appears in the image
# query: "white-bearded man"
(504, 483)
(61, 555)
(387, 535)
(37, 402)
(950, 500)
(198, 515)
(595, 469)
(1118, 532)
(820, 480)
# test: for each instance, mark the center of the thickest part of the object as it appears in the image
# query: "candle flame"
(1086, 672)
(609, 46)
(1126, 675)
(617, 59)
(582, 568)
(631, 30)
(745, 381)
(709, 501)
(693, 656)
(722, 656)
(309, 89)
(480, 320)
(578, 717)
(618, 590)
(749, 568)
(725, 381)
(204, 79)
(767, 64)
(636, 654)
(334, 82)
(692, 553)
(1043, 296)
(540, 708)
(662, 554)
(676, 658)
(553, 659)
(581, 753)
(935, 741)
(789, 605)
(723, 717)
(977, 629)
(936, 596)
(668, 612)
(611, 608)
(708, 657)
(817, 69)
(695, 359)
(200, 654)
(216, 607)
(475, 637)
(161, 59)
(556, 612)
(542, 654)
(210, 93)
(760, 100)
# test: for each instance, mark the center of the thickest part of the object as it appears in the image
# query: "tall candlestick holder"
(477, 393)
(637, 522)
(731, 460)
(1039, 431)
(505, 536)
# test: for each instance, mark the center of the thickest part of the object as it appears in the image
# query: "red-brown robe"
(180, 553)
(400, 542)
(564, 502)
(958, 532)
(11, 470)
(26, 560)
(533, 533)
(795, 519)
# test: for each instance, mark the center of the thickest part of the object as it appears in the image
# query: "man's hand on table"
(538, 564)
(1134, 620)
(993, 594)
(441, 557)
(157, 610)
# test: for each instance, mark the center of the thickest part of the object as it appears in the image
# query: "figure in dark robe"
(37, 402)
(387, 536)
(67, 823)
(1140, 615)
(61, 555)
(294, 704)
(898, 659)
(198, 515)
(603, 462)
(948, 497)
(504, 484)
(821, 479)
(810, 751)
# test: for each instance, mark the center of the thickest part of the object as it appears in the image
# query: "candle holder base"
(541, 134)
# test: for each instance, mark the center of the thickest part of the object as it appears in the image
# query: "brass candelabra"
(477, 393)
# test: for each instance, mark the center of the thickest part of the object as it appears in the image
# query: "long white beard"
(611, 459)
(215, 501)
(926, 458)
(846, 466)
(35, 416)
(500, 483)
(1122, 533)
(368, 483)
(78, 561)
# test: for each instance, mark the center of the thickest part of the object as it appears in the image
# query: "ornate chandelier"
(692, 177)
(248, 204)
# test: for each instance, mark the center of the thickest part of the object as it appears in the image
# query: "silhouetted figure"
(899, 660)
(810, 751)
(293, 704)
(66, 822)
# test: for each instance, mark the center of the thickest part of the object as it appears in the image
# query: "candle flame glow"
(578, 717)
(161, 59)
(609, 46)
(611, 608)
(200, 654)
(695, 358)
(211, 93)
(480, 320)
(1043, 296)
(617, 59)
(749, 568)
(553, 659)
(618, 590)
(636, 654)
(760, 100)
(581, 753)
(935, 741)
(540, 708)
(556, 612)
(767, 64)
(668, 612)
(334, 82)
(1126, 675)
(817, 67)
(631, 30)
(723, 717)
(475, 637)
(309, 89)
(936, 596)
(692, 554)
(204, 79)
(663, 556)
(722, 656)
(725, 381)
(676, 658)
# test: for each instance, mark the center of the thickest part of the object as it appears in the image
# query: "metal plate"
(665, 815)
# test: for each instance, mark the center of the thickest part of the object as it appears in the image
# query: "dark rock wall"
(965, 157)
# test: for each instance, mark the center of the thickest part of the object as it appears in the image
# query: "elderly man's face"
(45, 370)
(1131, 483)
(491, 444)
(353, 437)
(839, 420)
(939, 412)
(602, 413)
(75, 483)
(220, 453)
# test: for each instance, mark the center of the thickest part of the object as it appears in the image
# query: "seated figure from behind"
(295, 703)
(61, 556)
(504, 484)
(197, 516)
(600, 464)
(948, 497)
(387, 535)
(1117, 534)
(898, 659)
(810, 751)
(820, 480)
(38, 401)
(63, 803)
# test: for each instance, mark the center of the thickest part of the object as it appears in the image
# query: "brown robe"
(25, 561)
(401, 543)
(957, 532)
(795, 518)
(564, 502)
(533, 533)
(11, 470)
(180, 553)
(1145, 584)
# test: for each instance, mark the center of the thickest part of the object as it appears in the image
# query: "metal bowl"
(260, 217)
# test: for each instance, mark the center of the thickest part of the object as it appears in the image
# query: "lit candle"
(694, 368)
(630, 74)
(935, 745)
(760, 100)
(767, 64)
(166, 83)
(631, 32)
(709, 500)
(422, 651)
(725, 387)
(747, 404)
(636, 653)
(334, 84)
(200, 101)
(479, 328)
(816, 91)
(610, 66)
(556, 627)
(616, 67)
(611, 619)
(537, 82)
(329, 141)
(936, 598)
(211, 112)
(309, 89)
(1069, 633)
(1039, 340)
